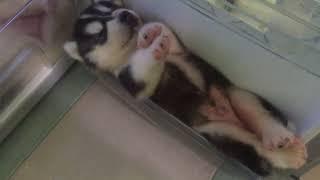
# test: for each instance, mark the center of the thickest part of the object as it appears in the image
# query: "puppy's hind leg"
(220, 109)
(293, 156)
(258, 119)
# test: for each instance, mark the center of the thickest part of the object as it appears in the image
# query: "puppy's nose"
(129, 18)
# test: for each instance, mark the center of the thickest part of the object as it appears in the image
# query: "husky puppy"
(238, 122)
(104, 36)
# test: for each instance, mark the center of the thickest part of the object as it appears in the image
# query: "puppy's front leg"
(143, 73)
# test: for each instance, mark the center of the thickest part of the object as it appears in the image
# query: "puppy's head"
(103, 24)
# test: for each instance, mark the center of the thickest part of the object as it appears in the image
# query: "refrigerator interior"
(281, 37)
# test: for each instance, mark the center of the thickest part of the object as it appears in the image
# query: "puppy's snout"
(129, 18)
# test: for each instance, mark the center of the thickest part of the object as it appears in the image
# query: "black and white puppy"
(104, 36)
(236, 121)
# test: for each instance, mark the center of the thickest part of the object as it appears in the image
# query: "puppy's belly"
(218, 108)
(200, 119)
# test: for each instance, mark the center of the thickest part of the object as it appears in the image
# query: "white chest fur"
(146, 69)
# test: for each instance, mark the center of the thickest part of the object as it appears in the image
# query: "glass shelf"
(289, 29)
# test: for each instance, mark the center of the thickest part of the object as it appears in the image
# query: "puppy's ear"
(71, 49)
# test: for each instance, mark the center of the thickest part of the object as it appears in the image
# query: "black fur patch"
(244, 153)
(274, 111)
(89, 63)
(177, 95)
(129, 83)
(86, 42)
(92, 10)
(211, 75)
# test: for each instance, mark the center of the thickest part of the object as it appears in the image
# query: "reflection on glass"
(32, 33)
(290, 28)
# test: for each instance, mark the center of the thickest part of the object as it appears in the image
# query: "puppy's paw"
(148, 34)
(276, 136)
(161, 48)
(291, 157)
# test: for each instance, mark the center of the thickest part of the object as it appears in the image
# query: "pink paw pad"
(161, 49)
(148, 35)
(277, 137)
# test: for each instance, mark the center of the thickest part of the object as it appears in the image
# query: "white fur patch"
(258, 118)
(142, 62)
(71, 49)
(94, 27)
(145, 68)
(102, 8)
